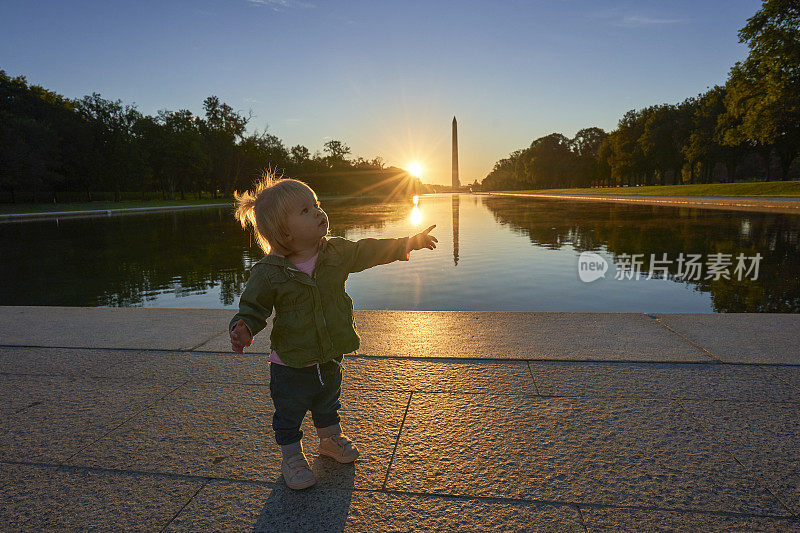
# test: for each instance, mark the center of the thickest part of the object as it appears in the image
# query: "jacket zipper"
(314, 279)
(324, 322)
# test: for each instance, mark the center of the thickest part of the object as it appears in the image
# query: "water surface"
(494, 253)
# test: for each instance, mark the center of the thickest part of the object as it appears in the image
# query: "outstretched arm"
(367, 253)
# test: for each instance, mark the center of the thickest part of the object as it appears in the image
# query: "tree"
(604, 154)
(151, 135)
(112, 124)
(549, 162)
(626, 158)
(44, 143)
(703, 146)
(503, 175)
(585, 145)
(300, 154)
(763, 92)
(262, 151)
(221, 130)
(336, 151)
(185, 160)
(664, 134)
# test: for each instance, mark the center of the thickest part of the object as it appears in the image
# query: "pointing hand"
(422, 240)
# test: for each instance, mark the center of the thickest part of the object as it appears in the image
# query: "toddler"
(303, 277)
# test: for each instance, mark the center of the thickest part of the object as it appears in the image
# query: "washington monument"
(456, 182)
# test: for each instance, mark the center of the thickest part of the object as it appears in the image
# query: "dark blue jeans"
(295, 391)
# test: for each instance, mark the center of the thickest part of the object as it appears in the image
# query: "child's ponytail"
(245, 209)
(251, 209)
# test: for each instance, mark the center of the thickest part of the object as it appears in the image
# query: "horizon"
(396, 77)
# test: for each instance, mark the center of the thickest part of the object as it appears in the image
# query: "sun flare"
(415, 168)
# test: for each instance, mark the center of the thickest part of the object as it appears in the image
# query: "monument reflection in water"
(455, 199)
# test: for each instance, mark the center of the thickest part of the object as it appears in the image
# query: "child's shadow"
(321, 507)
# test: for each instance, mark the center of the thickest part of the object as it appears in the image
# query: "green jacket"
(313, 314)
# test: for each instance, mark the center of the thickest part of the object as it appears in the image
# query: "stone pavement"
(142, 419)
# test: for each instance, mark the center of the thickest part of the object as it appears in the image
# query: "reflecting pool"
(494, 253)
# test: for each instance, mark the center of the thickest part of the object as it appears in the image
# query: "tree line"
(748, 127)
(54, 148)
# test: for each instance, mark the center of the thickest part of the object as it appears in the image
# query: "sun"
(415, 168)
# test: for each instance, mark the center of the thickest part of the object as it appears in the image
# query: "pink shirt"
(308, 268)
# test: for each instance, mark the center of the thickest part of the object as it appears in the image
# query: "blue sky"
(384, 77)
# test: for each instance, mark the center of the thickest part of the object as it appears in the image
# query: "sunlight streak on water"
(416, 216)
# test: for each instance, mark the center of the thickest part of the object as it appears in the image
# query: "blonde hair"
(266, 209)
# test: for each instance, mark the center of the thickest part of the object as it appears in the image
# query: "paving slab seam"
(32, 404)
(181, 351)
(535, 386)
(533, 359)
(430, 495)
(684, 337)
(397, 440)
(65, 375)
(779, 378)
(648, 398)
(474, 359)
(757, 479)
(135, 414)
(206, 341)
(265, 355)
(519, 360)
(545, 396)
(566, 503)
(98, 348)
(193, 496)
(582, 520)
(435, 359)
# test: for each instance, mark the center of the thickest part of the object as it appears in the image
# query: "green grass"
(7, 209)
(765, 188)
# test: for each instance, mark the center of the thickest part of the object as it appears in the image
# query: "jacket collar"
(281, 261)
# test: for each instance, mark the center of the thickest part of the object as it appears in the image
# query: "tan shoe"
(339, 447)
(296, 472)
